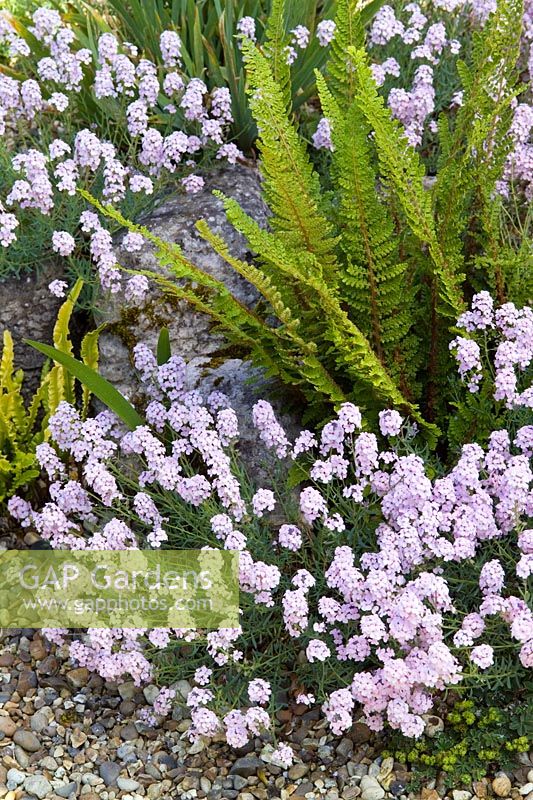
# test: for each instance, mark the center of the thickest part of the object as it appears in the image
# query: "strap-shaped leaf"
(98, 385)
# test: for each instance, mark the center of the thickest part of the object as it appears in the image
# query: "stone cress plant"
(391, 577)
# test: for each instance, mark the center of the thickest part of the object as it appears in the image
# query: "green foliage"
(403, 173)
(477, 740)
(208, 29)
(362, 275)
(70, 368)
(34, 248)
(23, 425)
(474, 151)
(376, 286)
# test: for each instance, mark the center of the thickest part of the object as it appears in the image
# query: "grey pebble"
(27, 740)
(15, 776)
(246, 766)
(38, 785)
(109, 771)
(67, 790)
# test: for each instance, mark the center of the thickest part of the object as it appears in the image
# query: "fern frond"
(249, 272)
(311, 368)
(90, 356)
(353, 354)
(38, 402)
(349, 32)
(275, 49)
(61, 339)
(474, 154)
(375, 283)
(8, 379)
(291, 186)
(403, 171)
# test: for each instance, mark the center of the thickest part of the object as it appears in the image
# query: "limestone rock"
(28, 310)
(370, 788)
(191, 332)
(246, 766)
(38, 786)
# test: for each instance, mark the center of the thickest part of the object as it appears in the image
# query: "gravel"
(71, 735)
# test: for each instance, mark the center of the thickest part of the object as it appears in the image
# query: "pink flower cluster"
(148, 92)
(519, 164)
(381, 614)
(509, 331)
(425, 33)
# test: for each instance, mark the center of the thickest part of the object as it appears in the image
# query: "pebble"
(7, 726)
(429, 794)
(459, 794)
(22, 757)
(78, 677)
(38, 785)
(127, 784)
(15, 776)
(246, 766)
(303, 789)
(127, 690)
(480, 789)
(150, 694)
(82, 732)
(360, 733)
(39, 721)
(109, 771)
(152, 771)
(298, 771)
(434, 725)
(97, 729)
(27, 740)
(357, 770)
(67, 790)
(78, 737)
(239, 782)
(351, 792)
(129, 732)
(370, 788)
(182, 689)
(397, 788)
(501, 785)
(345, 748)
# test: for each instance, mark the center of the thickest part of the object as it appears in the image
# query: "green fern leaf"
(349, 32)
(375, 284)
(291, 187)
(403, 171)
(275, 49)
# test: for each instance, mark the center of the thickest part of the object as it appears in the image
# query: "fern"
(404, 173)
(376, 284)
(353, 352)
(275, 49)
(360, 285)
(291, 186)
(349, 32)
(22, 426)
(474, 153)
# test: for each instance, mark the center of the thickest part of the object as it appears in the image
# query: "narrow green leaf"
(163, 347)
(98, 385)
